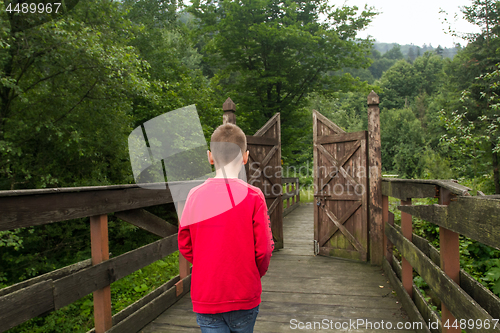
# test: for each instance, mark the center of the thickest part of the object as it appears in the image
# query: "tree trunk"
(496, 176)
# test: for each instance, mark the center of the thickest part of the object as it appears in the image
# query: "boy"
(225, 233)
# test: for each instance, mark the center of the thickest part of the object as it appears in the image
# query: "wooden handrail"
(457, 213)
(420, 188)
(51, 291)
(25, 208)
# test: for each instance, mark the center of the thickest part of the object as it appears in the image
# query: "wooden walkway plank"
(307, 288)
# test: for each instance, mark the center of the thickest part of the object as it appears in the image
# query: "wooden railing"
(291, 194)
(457, 213)
(54, 290)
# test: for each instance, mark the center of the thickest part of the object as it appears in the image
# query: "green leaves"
(65, 87)
(403, 142)
(143, 287)
(273, 54)
(493, 277)
(11, 239)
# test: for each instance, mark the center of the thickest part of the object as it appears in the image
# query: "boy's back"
(225, 233)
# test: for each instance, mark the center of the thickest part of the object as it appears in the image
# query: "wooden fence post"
(375, 173)
(390, 246)
(290, 199)
(100, 252)
(294, 199)
(385, 219)
(297, 187)
(229, 109)
(449, 249)
(407, 231)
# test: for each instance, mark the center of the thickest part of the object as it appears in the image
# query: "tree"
(404, 81)
(485, 14)
(439, 51)
(348, 111)
(430, 70)
(400, 84)
(380, 64)
(411, 55)
(65, 99)
(403, 143)
(174, 71)
(473, 138)
(475, 77)
(394, 53)
(273, 54)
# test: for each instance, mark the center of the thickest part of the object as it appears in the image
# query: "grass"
(306, 194)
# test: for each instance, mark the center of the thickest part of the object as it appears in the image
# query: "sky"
(414, 22)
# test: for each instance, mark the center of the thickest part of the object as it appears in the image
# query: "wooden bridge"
(309, 282)
(301, 289)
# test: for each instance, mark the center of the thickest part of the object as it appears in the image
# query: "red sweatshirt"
(225, 233)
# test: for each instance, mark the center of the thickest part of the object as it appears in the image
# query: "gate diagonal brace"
(334, 162)
(263, 164)
(342, 162)
(340, 226)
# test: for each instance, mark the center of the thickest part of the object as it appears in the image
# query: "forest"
(74, 84)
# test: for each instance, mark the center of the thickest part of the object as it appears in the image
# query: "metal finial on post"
(229, 109)
(375, 180)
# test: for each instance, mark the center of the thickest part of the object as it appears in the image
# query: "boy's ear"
(245, 157)
(210, 157)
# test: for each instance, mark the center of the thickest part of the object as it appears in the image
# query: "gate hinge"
(316, 247)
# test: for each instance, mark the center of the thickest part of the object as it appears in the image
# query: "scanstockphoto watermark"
(353, 179)
(309, 171)
(353, 324)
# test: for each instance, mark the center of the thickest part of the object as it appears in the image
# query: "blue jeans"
(239, 321)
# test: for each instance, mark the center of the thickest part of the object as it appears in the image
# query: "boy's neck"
(227, 172)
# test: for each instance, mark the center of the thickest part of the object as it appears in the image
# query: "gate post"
(375, 181)
(229, 109)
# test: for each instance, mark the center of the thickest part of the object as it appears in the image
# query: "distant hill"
(413, 51)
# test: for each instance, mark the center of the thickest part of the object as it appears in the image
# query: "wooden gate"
(341, 190)
(263, 169)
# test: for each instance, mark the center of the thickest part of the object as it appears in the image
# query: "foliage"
(272, 54)
(404, 81)
(73, 88)
(423, 228)
(41, 249)
(493, 277)
(435, 166)
(400, 85)
(382, 63)
(483, 13)
(78, 316)
(423, 286)
(474, 138)
(174, 73)
(347, 111)
(482, 262)
(464, 145)
(61, 97)
(403, 142)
